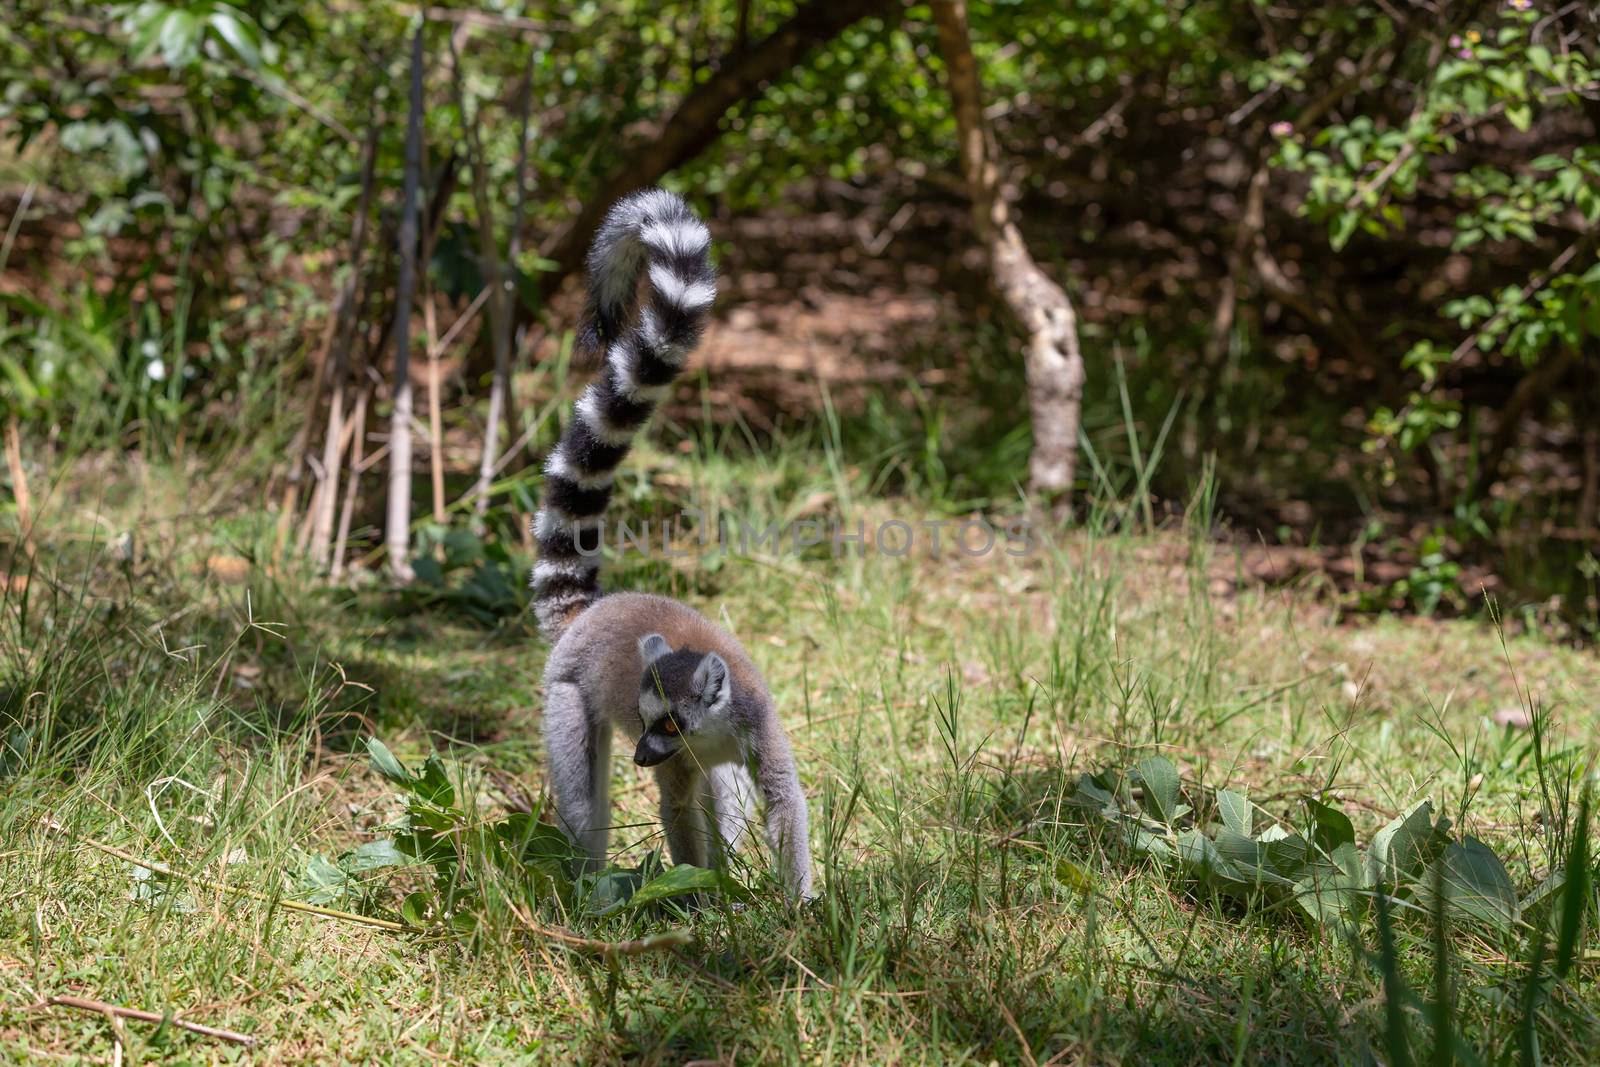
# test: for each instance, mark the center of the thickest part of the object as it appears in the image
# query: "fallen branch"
(117, 1011)
(607, 949)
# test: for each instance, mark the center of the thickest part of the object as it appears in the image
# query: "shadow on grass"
(1036, 983)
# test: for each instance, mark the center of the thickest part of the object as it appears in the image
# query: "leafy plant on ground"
(1413, 866)
(463, 570)
(523, 855)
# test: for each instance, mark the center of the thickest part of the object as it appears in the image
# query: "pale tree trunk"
(1052, 359)
(397, 537)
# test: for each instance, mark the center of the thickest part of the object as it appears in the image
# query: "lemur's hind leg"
(578, 747)
(682, 812)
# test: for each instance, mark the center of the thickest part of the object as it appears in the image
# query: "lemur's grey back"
(648, 233)
(600, 652)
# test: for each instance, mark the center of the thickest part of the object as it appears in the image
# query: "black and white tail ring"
(649, 233)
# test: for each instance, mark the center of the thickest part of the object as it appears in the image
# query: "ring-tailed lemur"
(680, 687)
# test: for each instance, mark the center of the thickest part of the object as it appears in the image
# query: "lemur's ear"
(711, 681)
(652, 648)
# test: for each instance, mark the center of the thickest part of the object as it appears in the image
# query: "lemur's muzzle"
(654, 749)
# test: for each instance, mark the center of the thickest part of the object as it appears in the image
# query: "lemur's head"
(683, 695)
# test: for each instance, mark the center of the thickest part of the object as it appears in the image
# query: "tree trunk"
(1533, 389)
(397, 532)
(1053, 362)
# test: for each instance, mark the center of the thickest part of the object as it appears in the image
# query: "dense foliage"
(1360, 225)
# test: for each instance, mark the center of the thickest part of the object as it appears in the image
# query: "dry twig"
(118, 1012)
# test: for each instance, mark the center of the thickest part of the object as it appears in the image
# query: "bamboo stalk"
(346, 315)
(327, 472)
(300, 451)
(357, 445)
(19, 484)
(435, 416)
(495, 277)
(117, 1011)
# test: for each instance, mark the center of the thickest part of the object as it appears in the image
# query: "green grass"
(942, 710)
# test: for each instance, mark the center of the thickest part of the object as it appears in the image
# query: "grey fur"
(733, 747)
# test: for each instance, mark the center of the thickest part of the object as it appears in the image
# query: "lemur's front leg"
(683, 812)
(788, 827)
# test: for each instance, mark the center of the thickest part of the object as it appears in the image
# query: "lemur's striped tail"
(650, 232)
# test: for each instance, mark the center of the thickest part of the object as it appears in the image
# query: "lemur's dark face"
(679, 695)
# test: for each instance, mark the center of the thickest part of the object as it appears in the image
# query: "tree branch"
(696, 124)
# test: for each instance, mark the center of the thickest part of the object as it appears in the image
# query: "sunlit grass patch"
(945, 712)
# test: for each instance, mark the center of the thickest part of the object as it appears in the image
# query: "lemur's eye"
(669, 725)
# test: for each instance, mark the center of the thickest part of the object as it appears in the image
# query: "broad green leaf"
(1073, 876)
(151, 888)
(1249, 858)
(609, 890)
(1476, 882)
(1344, 227)
(1548, 889)
(676, 881)
(1287, 854)
(1091, 795)
(1335, 895)
(1348, 859)
(1333, 827)
(1149, 844)
(532, 841)
(1235, 812)
(415, 908)
(239, 34)
(434, 785)
(1160, 780)
(180, 38)
(1405, 846)
(373, 856)
(386, 763)
(1350, 149)
(427, 570)
(1197, 851)
(322, 882)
